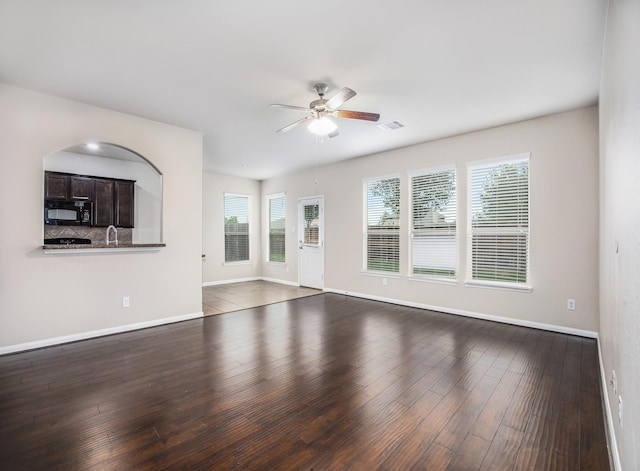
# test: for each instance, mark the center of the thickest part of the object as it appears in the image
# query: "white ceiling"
(439, 67)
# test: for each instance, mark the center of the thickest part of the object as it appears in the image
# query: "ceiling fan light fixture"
(322, 126)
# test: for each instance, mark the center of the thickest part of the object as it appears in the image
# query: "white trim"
(239, 262)
(383, 274)
(97, 333)
(65, 251)
(476, 315)
(282, 282)
(611, 431)
(433, 279)
(226, 282)
(430, 170)
(505, 159)
(253, 278)
(382, 177)
(499, 285)
(244, 195)
(276, 264)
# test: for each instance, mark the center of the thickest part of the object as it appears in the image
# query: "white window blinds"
(236, 228)
(277, 228)
(382, 223)
(499, 221)
(434, 247)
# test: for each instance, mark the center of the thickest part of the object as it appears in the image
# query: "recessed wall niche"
(117, 162)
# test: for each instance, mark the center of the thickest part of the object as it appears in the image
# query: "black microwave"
(68, 213)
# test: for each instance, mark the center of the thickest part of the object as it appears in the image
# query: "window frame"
(412, 230)
(365, 232)
(270, 199)
(249, 228)
(497, 284)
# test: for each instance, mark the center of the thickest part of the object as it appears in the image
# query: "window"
(382, 225)
(236, 228)
(499, 221)
(434, 246)
(311, 215)
(277, 228)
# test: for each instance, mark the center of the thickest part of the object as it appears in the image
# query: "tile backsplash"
(96, 234)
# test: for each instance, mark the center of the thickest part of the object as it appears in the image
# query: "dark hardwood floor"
(327, 382)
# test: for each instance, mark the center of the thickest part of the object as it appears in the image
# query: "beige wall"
(53, 296)
(214, 269)
(564, 220)
(620, 224)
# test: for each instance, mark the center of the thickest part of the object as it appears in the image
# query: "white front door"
(311, 242)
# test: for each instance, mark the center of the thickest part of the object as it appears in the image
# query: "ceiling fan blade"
(289, 107)
(294, 124)
(333, 133)
(357, 115)
(342, 95)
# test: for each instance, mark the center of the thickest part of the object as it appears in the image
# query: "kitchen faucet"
(115, 231)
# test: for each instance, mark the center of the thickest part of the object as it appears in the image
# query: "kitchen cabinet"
(113, 202)
(80, 188)
(55, 186)
(62, 186)
(124, 207)
(113, 199)
(103, 202)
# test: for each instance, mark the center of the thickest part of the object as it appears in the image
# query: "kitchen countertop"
(100, 248)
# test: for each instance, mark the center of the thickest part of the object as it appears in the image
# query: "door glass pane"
(311, 224)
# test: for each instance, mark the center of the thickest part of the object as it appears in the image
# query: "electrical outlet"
(571, 304)
(620, 410)
(125, 301)
(384, 282)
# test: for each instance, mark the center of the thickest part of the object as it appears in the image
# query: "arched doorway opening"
(101, 170)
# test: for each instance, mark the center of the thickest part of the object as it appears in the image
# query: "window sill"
(383, 274)
(426, 279)
(242, 262)
(97, 248)
(501, 286)
(271, 262)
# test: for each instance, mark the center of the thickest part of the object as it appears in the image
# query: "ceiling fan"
(319, 111)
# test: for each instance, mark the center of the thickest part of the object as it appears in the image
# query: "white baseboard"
(282, 282)
(476, 315)
(253, 278)
(96, 333)
(611, 431)
(226, 282)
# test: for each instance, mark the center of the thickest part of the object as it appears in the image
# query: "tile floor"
(236, 296)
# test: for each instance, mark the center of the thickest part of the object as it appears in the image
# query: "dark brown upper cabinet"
(80, 188)
(113, 199)
(55, 186)
(103, 202)
(124, 203)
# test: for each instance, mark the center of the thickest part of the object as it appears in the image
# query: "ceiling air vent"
(391, 125)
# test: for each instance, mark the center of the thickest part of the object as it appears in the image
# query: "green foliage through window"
(382, 220)
(500, 221)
